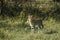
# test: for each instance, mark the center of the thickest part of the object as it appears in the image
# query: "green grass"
(15, 31)
(37, 36)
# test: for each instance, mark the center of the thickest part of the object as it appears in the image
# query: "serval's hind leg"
(40, 27)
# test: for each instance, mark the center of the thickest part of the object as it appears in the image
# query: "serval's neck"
(30, 19)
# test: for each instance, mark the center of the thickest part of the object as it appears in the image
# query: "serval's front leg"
(32, 28)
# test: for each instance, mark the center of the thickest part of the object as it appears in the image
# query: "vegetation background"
(13, 17)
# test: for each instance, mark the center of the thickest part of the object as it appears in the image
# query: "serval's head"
(30, 17)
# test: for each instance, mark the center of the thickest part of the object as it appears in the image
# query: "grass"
(9, 31)
(37, 36)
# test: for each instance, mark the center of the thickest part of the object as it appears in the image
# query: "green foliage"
(45, 9)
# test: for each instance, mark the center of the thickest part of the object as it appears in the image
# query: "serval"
(33, 22)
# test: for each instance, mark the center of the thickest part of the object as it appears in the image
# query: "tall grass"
(16, 31)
